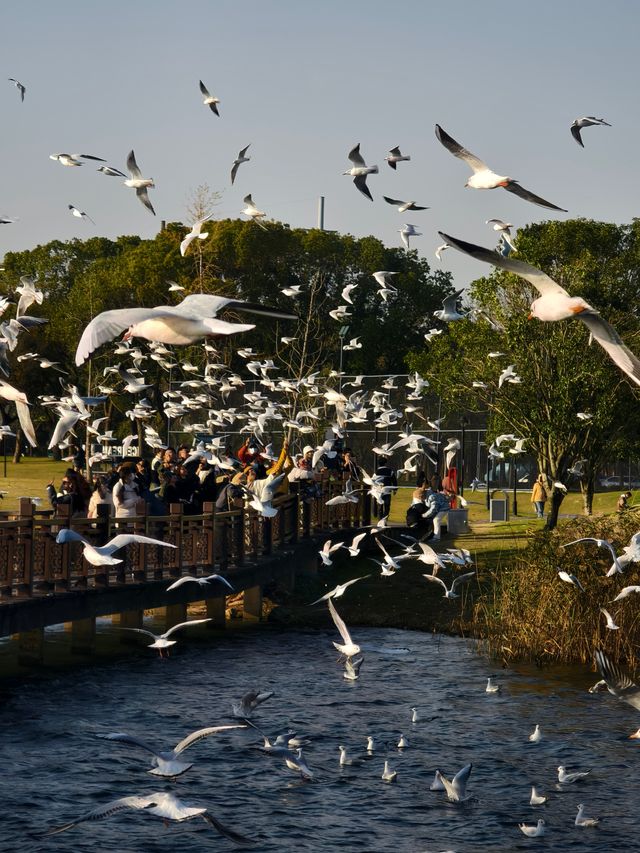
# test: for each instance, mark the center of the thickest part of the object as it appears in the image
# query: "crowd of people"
(182, 476)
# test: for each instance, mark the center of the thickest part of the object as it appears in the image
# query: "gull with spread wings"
(161, 804)
(360, 170)
(484, 178)
(348, 648)
(554, 303)
(191, 320)
(137, 182)
(167, 763)
(102, 555)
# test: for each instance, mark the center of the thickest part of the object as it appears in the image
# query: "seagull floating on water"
(565, 778)
(456, 788)
(532, 831)
(583, 820)
(536, 799)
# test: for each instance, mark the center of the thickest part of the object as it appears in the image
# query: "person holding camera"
(68, 495)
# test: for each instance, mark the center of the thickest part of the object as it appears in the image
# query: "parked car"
(614, 483)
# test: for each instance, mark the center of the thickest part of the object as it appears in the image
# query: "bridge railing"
(33, 564)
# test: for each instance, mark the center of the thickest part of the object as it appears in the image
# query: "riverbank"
(504, 604)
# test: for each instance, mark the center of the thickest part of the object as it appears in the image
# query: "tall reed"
(528, 613)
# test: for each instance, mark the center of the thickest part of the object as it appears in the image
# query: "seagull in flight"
(196, 233)
(450, 593)
(161, 804)
(79, 214)
(403, 206)
(441, 248)
(348, 648)
(209, 100)
(162, 641)
(554, 303)
(249, 702)
(616, 568)
(395, 156)
(138, 183)
(360, 170)
(252, 211)
(201, 581)
(570, 578)
(504, 229)
(166, 764)
(585, 121)
(617, 682)
(406, 232)
(191, 320)
(102, 555)
(339, 590)
(449, 312)
(111, 172)
(485, 179)
(611, 625)
(73, 159)
(240, 159)
(19, 86)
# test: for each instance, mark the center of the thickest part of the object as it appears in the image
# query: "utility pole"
(321, 213)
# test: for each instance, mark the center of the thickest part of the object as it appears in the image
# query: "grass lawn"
(497, 537)
(29, 478)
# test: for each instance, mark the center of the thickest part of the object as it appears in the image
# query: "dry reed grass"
(528, 613)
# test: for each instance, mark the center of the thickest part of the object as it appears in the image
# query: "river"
(55, 769)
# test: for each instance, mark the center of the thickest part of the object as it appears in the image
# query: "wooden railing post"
(103, 512)
(139, 567)
(209, 524)
(25, 514)
(63, 519)
(175, 510)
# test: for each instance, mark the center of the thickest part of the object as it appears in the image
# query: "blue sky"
(304, 82)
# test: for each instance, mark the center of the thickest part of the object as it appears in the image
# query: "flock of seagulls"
(195, 320)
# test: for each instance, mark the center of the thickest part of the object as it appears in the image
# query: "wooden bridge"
(44, 583)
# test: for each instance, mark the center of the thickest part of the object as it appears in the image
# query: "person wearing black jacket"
(388, 479)
(67, 495)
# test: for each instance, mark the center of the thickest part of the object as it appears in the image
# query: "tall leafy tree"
(561, 373)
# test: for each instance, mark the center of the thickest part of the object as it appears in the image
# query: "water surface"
(54, 768)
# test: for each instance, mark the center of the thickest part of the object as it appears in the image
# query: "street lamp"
(342, 334)
(464, 420)
(488, 474)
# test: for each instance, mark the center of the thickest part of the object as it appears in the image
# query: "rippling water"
(53, 768)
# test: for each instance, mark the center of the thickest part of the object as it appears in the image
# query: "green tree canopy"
(561, 373)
